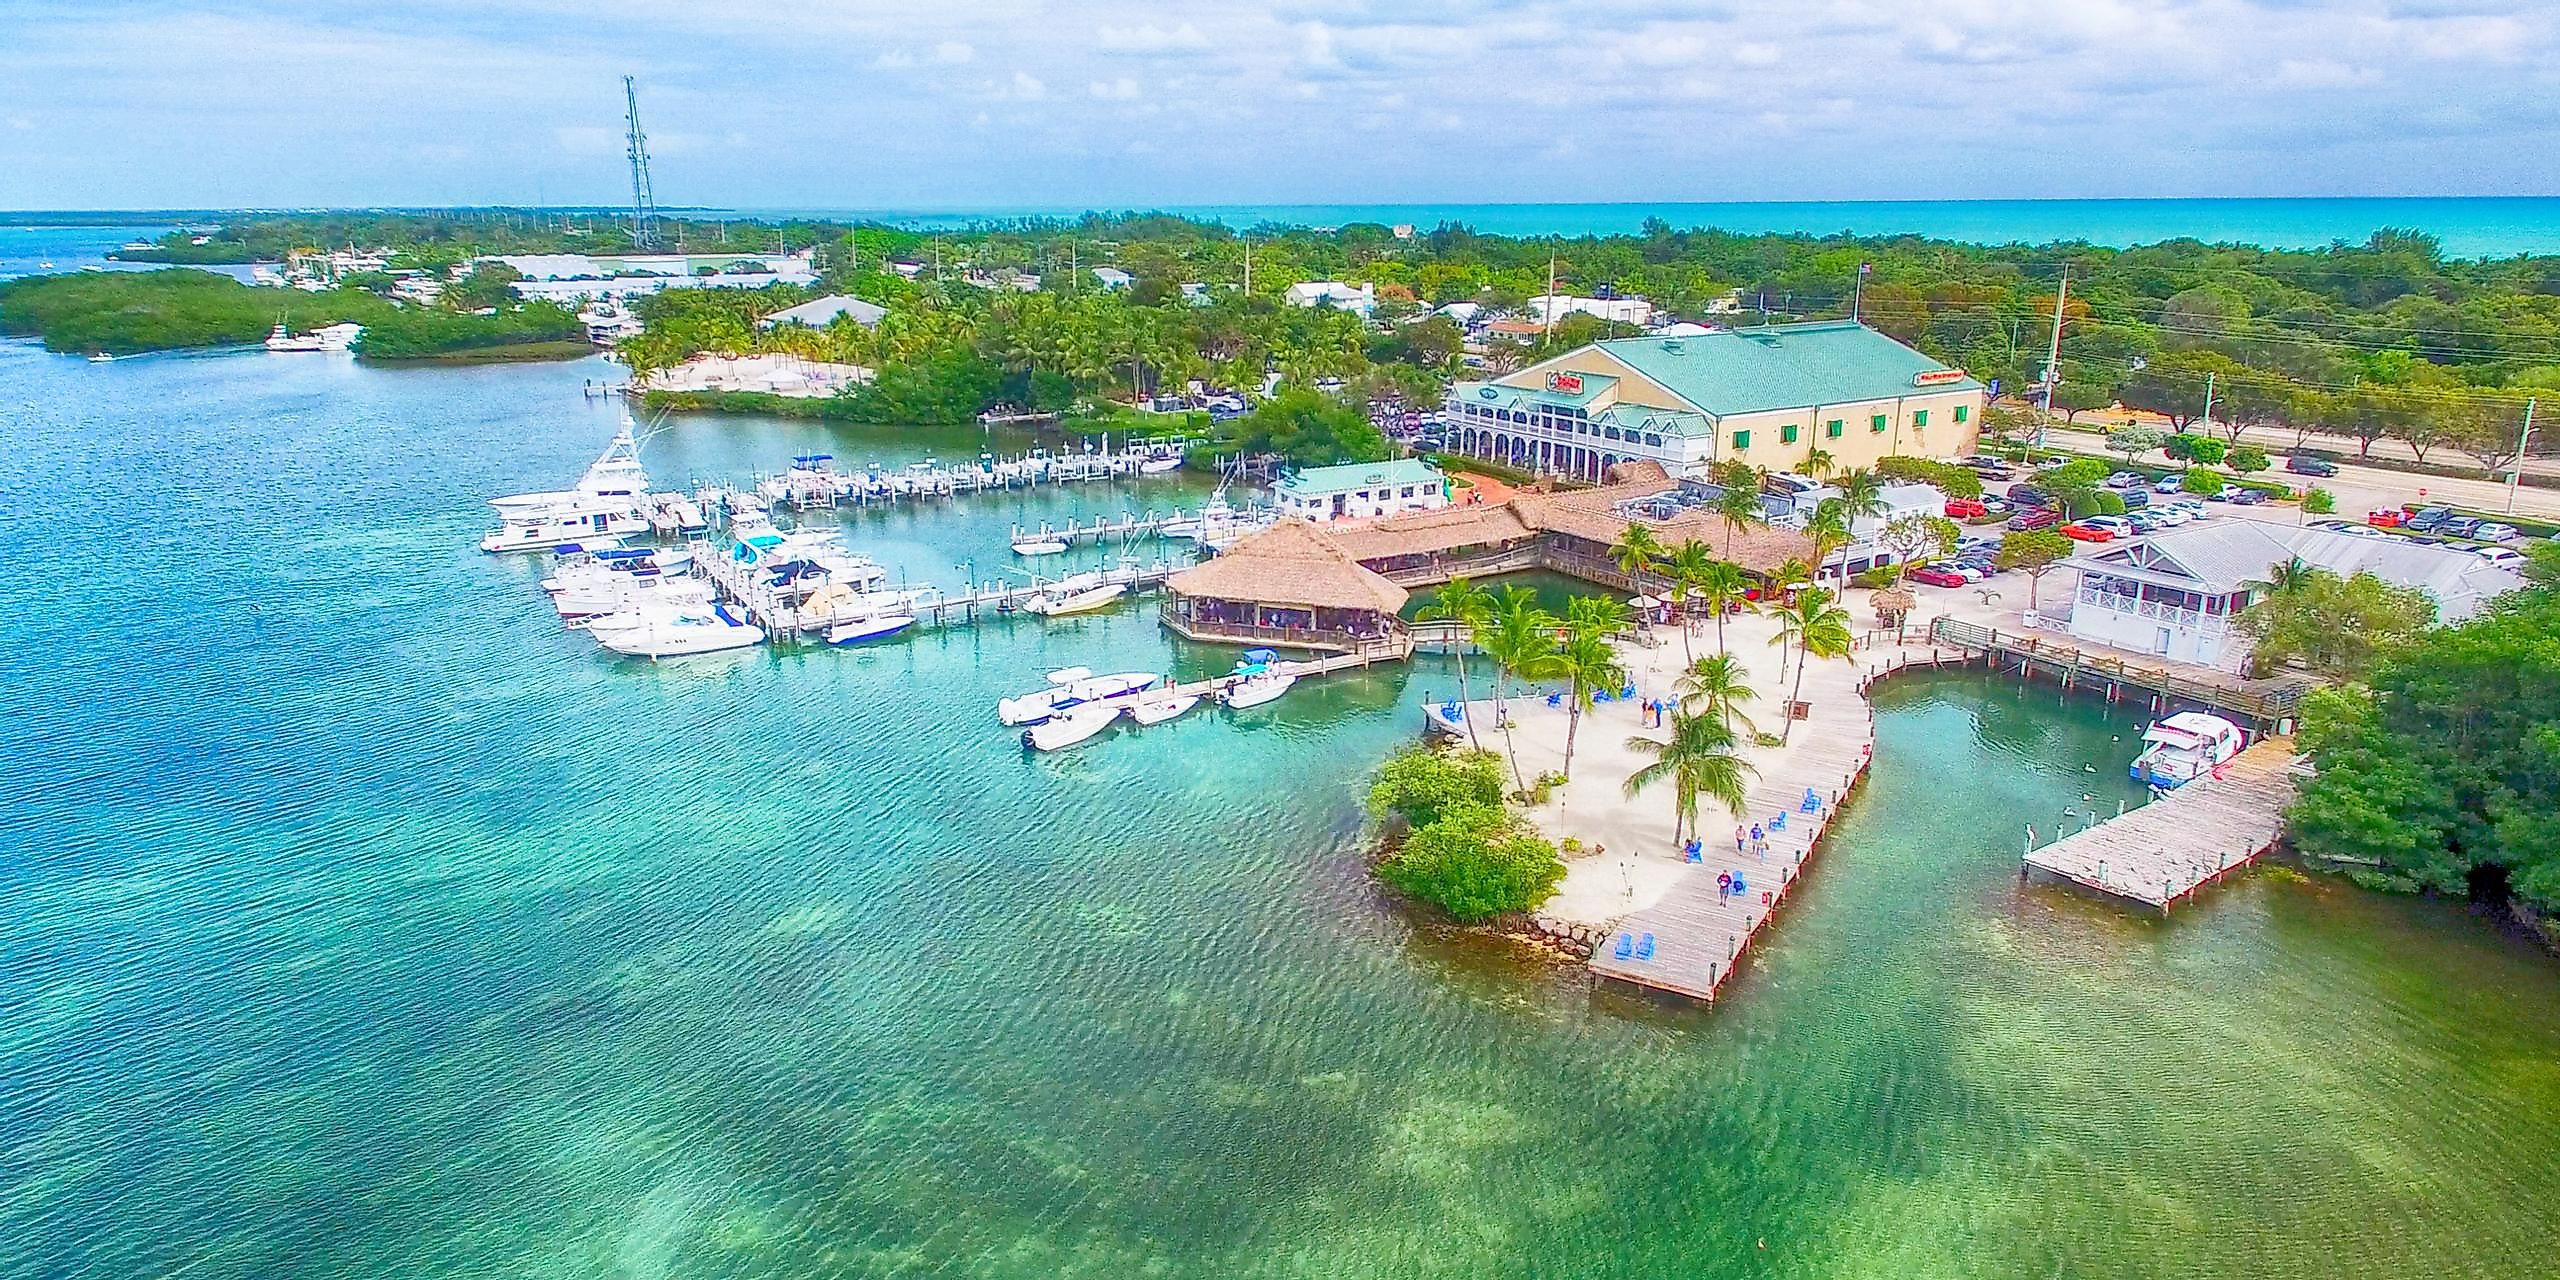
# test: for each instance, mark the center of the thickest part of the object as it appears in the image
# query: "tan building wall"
(1919, 425)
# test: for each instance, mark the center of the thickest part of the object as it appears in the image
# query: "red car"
(2088, 533)
(1965, 509)
(2038, 518)
(1937, 577)
(2387, 517)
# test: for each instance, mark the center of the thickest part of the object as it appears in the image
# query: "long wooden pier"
(2170, 848)
(1125, 526)
(2267, 704)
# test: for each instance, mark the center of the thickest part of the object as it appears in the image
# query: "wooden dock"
(2267, 704)
(2170, 848)
(1124, 527)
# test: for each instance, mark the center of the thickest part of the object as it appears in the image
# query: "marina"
(2160, 854)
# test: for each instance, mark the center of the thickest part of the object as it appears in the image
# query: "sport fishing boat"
(584, 522)
(1156, 708)
(1071, 726)
(671, 633)
(282, 339)
(1069, 687)
(1054, 604)
(2179, 749)
(615, 476)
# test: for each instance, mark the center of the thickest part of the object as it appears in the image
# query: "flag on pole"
(1866, 268)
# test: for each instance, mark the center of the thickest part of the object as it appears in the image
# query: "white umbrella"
(1643, 602)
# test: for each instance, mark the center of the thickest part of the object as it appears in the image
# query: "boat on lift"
(1159, 465)
(2179, 749)
(1071, 726)
(1070, 687)
(1160, 706)
(1055, 604)
(1039, 544)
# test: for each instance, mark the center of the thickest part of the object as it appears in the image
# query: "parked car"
(2128, 480)
(1966, 509)
(1937, 577)
(1995, 506)
(1990, 468)
(2507, 558)
(2136, 499)
(2246, 497)
(2035, 518)
(2147, 521)
(2386, 517)
(2099, 529)
(2172, 517)
(2227, 493)
(2494, 531)
(2168, 484)
(2027, 495)
(2460, 527)
(2304, 464)
(2429, 520)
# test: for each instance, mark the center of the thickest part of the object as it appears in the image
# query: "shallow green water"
(362, 922)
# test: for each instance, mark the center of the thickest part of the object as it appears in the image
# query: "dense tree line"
(124, 312)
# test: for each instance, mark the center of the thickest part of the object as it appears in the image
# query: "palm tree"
(1636, 551)
(1463, 602)
(1861, 498)
(1776, 586)
(1598, 615)
(1725, 588)
(1587, 662)
(1820, 629)
(1717, 687)
(1818, 463)
(1829, 529)
(1689, 568)
(1521, 639)
(1739, 508)
(1701, 763)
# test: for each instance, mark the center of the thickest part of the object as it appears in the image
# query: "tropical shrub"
(1419, 784)
(1475, 863)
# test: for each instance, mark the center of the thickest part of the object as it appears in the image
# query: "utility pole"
(1858, 291)
(2208, 401)
(2053, 360)
(1551, 291)
(1248, 267)
(2515, 474)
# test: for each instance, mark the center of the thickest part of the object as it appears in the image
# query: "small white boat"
(1055, 605)
(677, 632)
(862, 629)
(547, 527)
(1156, 708)
(1159, 466)
(1039, 545)
(1069, 727)
(1070, 687)
(1187, 530)
(101, 357)
(1256, 689)
(2179, 749)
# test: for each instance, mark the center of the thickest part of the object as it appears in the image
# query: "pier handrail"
(2267, 701)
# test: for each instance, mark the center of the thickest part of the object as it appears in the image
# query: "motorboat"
(670, 633)
(1159, 466)
(283, 339)
(2179, 749)
(1051, 604)
(1156, 708)
(627, 592)
(836, 605)
(547, 527)
(871, 628)
(1040, 544)
(1256, 689)
(1184, 530)
(1070, 687)
(1069, 727)
(615, 476)
(582, 565)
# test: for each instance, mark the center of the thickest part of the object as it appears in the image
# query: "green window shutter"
(1876, 423)
(1787, 434)
(1960, 414)
(1919, 417)
(1833, 429)
(1741, 439)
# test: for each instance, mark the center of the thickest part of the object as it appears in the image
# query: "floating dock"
(2168, 849)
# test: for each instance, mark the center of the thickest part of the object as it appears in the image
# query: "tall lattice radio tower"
(644, 202)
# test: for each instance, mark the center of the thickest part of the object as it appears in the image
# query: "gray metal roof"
(2228, 554)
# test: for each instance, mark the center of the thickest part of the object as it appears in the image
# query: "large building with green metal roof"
(1768, 396)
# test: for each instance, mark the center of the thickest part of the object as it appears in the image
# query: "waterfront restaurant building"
(1290, 586)
(1766, 396)
(1360, 490)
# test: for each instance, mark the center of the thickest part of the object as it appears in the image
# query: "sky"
(979, 104)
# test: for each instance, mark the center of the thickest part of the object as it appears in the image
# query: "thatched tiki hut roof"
(1289, 565)
(1893, 602)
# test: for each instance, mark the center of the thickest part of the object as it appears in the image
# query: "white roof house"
(2175, 593)
(818, 313)
(1113, 277)
(1547, 308)
(1361, 299)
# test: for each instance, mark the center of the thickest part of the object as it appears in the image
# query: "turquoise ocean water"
(359, 921)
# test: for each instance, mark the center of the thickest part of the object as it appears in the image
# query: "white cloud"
(1123, 88)
(1027, 87)
(1147, 37)
(953, 52)
(1754, 53)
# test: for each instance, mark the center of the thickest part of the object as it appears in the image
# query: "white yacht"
(2179, 749)
(282, 339)
(543, 528)
(1070, 687)
(616, 476)
(623, 593)
(670, 633)
(1039, 544)
(1071, 726)
(875, 627)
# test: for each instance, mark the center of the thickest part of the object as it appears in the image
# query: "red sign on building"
(1568, 383)
(1936, 377)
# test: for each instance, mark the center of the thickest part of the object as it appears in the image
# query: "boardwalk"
(2173, 846)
